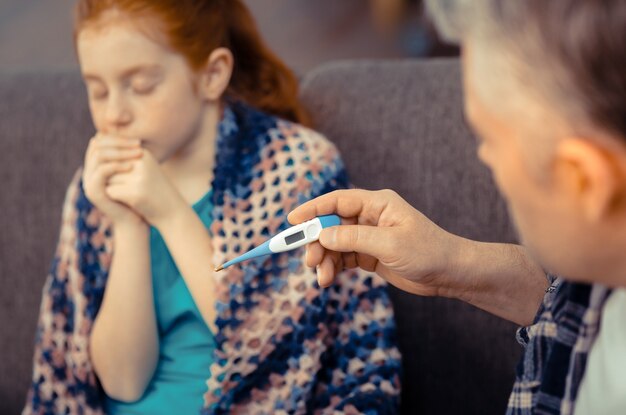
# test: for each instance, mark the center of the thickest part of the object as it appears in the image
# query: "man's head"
(545, 90)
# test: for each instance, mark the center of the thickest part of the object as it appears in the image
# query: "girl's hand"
(105, 157)
(147, 190)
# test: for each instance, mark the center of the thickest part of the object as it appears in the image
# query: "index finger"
(107, 140)
(345, 203)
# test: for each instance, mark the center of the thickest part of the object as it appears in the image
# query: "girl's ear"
(216, 74)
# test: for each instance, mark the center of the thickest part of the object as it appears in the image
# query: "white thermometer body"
(292, 238)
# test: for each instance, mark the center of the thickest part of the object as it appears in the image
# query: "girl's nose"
(118, 113)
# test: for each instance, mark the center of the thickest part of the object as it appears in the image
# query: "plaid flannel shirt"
(557, 345)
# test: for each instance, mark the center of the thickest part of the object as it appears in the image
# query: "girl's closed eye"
(96, 91)
(143, 86)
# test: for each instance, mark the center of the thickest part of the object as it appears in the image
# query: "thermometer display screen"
(298, 236)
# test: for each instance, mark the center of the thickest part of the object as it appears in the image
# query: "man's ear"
(591, 175)
(216, 74)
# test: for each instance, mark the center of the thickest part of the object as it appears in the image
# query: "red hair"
(195, 28)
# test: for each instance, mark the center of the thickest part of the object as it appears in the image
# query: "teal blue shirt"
(186, 342)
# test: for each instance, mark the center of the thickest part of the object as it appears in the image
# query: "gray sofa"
(398, 125)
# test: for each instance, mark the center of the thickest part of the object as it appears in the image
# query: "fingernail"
(329, 236)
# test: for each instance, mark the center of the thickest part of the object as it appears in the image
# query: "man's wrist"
(461, 276)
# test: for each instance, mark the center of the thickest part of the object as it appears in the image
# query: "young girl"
(197, 158)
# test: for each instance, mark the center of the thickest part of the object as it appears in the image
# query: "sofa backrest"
(400, 125)
(44, 130)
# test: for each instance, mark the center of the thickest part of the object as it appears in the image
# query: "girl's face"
(139, 89)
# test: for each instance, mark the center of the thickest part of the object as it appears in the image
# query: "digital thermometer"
(292, 238)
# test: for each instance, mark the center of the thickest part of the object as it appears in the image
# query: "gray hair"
(569, 54)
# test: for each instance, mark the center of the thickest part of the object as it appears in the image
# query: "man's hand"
(382, 233)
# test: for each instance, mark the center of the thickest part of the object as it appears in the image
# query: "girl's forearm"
(190, 246)
(124, 343)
